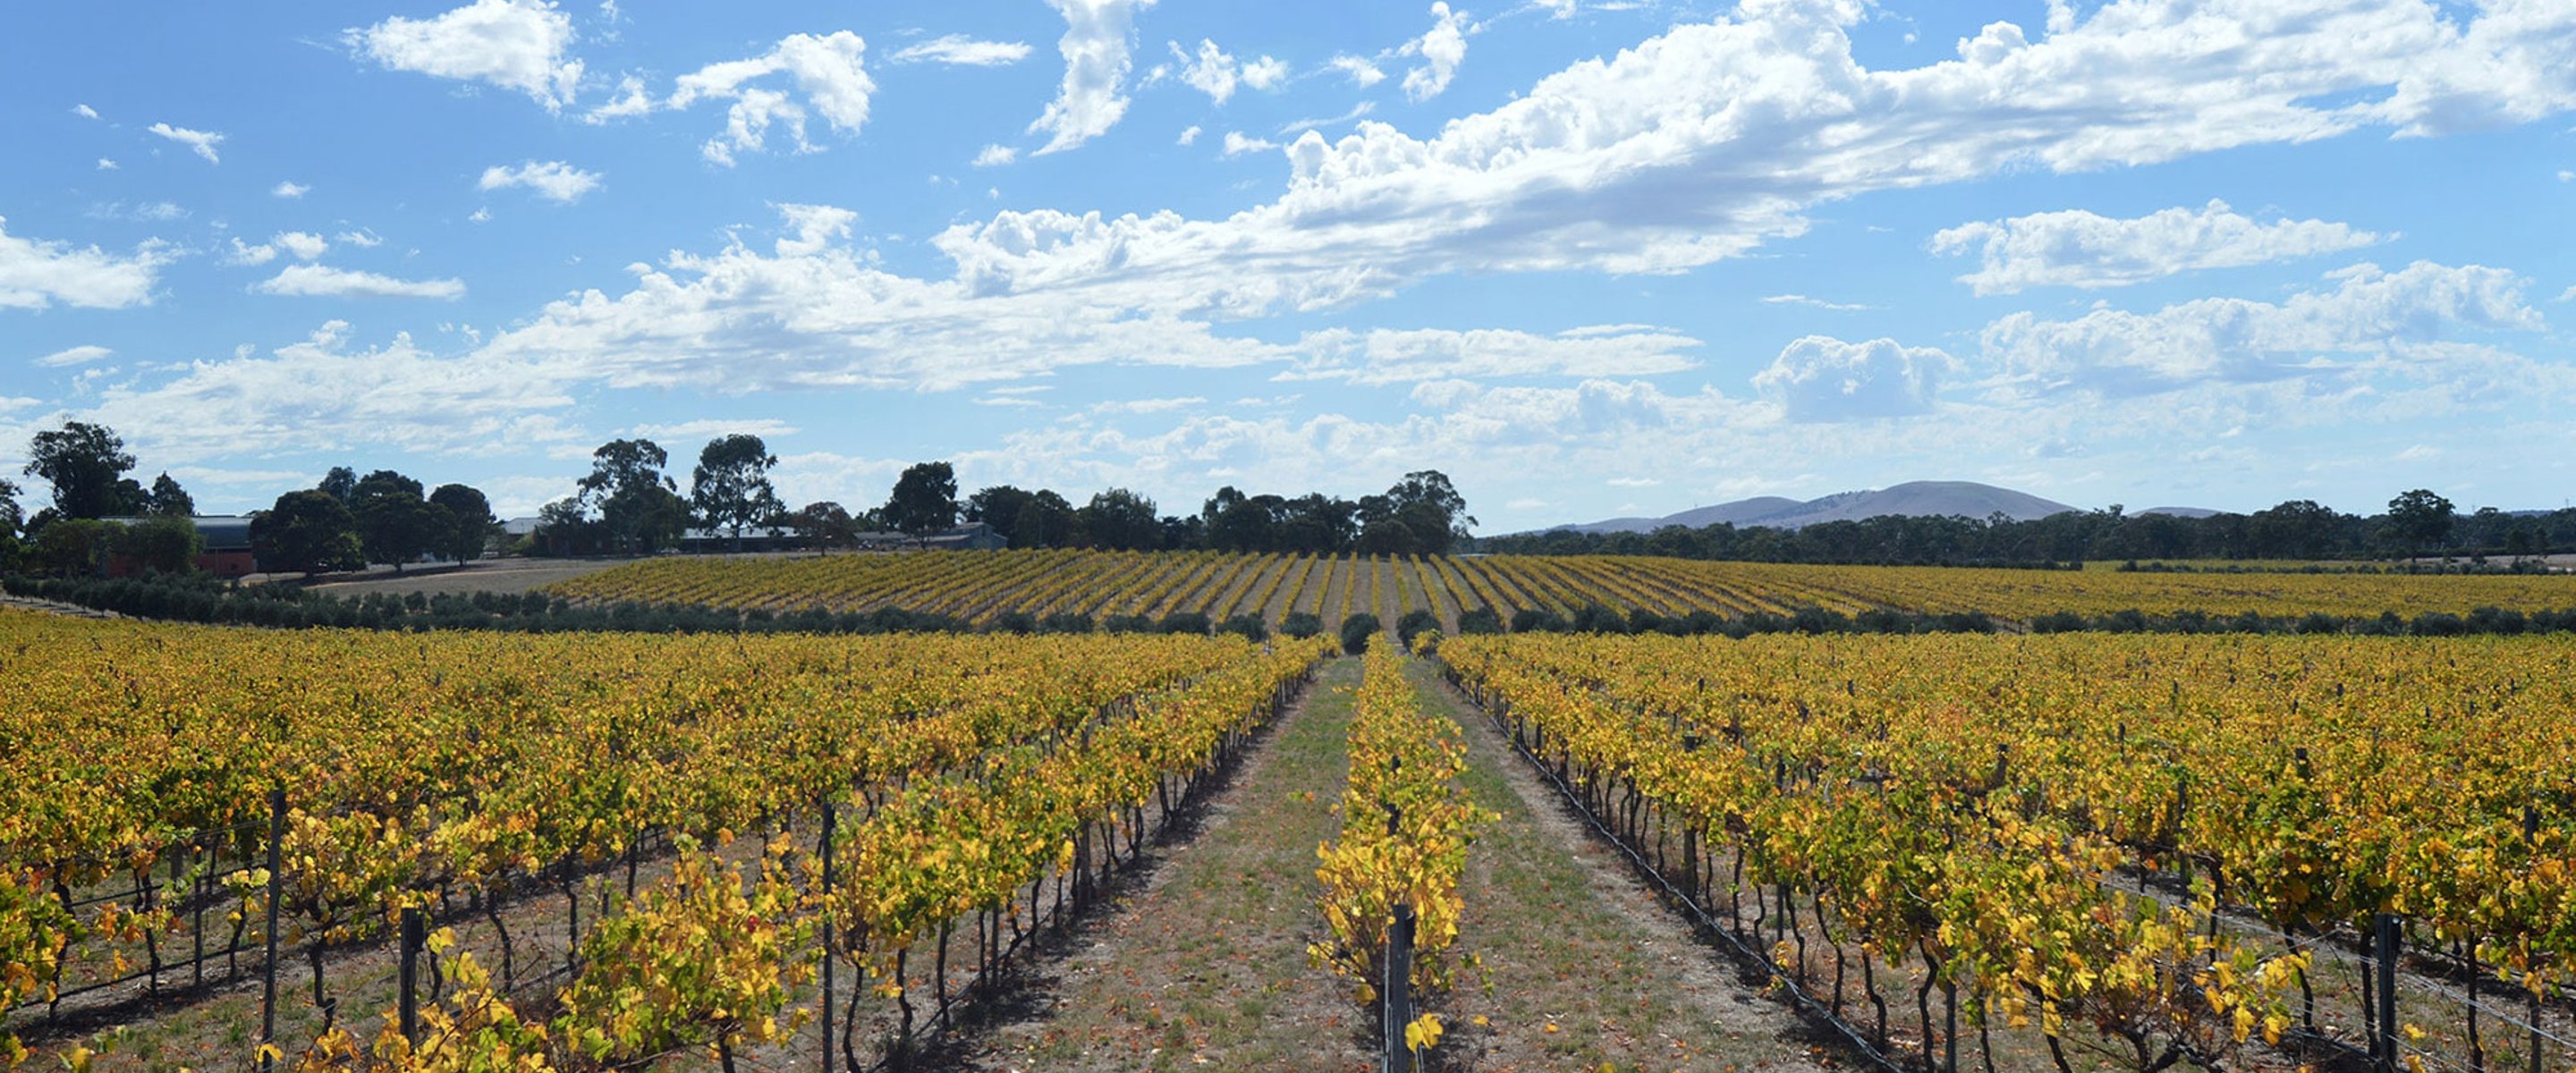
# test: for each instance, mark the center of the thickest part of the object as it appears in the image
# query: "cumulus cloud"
(552, 180)
(79, 355)
(2370, 316)
(1821, 378)
(35, 274)
(201, 142)
(994, 156)
(324, 281)
(1362, 72)
(1392, 356)
(632, 99)
(963, 51)
(2076, 248)
(1095, 47)
(323, 393)
(84, 111)
(244, 253)
(817, 313)
(514, 44)
(289, 190)
(104, 164)
(1813, 303)
(1704, 142)
(304, 245)
(829, 71)
(811, 229)
(1215, 72)
(1442, 48)
(1237, 144)
(1188, 134)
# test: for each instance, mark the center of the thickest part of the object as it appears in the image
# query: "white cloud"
(2567, 176)
(513, 44)
(246, 254)
(201, 142)
(1703, 143)
(322, 394)
(1095, 47)
(2076, 248)
(2370, 317)
(1265, 74)
(2568, 295)
(993, 156)
(1362, 72)
(104, 164)
(552, 180)
(1237, 144)
(812, 228)
(35, 274)
(1300, 126)
(481, 215)
(290, 190)
(84, 111)
(1816, 303)
(821, 315)
(1392, 356)
(678, 433)
(328, 282)
(961, 50)
(1211, 72)
(1821, 378)
(79, 355)
(829, 70)
(1148, 406)
(1215, 72)
(303, 244)
(632, 100)
(363, 238)
(1442, 48)
(1188, 135)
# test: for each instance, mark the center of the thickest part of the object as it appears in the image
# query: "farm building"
(227, 551)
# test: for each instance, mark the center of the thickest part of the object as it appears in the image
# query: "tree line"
(631, 504)
(346, 521)
(2417, 522)
(628, 504)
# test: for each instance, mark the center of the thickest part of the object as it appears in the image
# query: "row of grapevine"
(438, 769)
(2055, 829)
(1390, 881)
(979, 587)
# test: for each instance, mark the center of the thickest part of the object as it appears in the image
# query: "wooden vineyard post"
(831, 813)
(268, 990)
(414, 937)
(1399, 990)
(2384, 948)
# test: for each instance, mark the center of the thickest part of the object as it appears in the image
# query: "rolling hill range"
(1913, 498)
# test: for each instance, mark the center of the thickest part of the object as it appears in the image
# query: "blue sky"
(1588, 258)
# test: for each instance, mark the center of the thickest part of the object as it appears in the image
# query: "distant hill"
(1913, 498)
(2182, 512)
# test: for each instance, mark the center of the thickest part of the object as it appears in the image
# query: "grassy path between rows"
(1579, 966)
(1204, 966)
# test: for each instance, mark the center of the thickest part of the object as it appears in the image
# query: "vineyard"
(185, 805)
(982, 588)
(2152, 850)
(409, 852)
